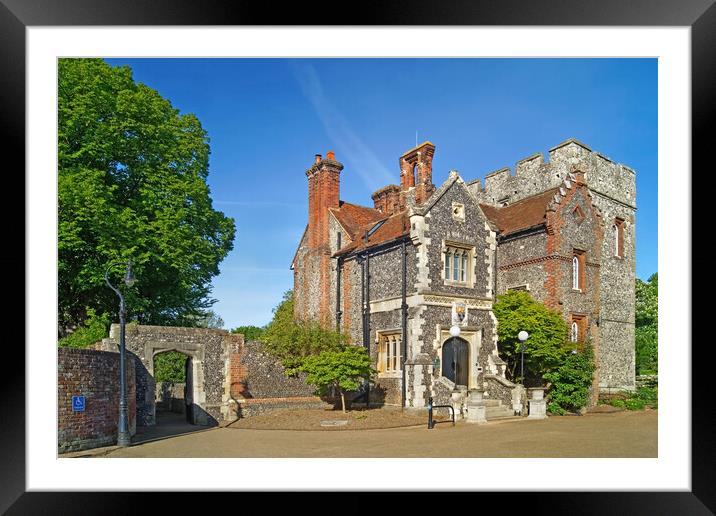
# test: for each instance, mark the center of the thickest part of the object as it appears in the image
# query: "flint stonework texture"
(520, 231)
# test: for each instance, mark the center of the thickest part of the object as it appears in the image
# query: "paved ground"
(620, 434)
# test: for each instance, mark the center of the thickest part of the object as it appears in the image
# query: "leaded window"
(457, 264)
(389, 357)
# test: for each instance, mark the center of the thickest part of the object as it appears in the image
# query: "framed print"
(678, 36)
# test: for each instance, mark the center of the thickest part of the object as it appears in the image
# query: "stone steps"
(497, 412)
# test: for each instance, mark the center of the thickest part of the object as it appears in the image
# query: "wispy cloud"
(348, 145)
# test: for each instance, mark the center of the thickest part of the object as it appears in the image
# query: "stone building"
(396, 277)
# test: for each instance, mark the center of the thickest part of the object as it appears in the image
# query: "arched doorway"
(173, 379)
(455, 360)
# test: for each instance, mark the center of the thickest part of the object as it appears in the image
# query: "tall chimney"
(323, 193)
(416, 169)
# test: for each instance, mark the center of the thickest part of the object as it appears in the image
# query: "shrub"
(94, 329)
(649, 396)
(617, 403)
(571, 381)
(547, 345)
(634, 404)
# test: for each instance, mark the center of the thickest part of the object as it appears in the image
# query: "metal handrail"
(431, 421)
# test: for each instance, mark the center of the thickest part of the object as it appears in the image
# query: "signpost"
(78, 403)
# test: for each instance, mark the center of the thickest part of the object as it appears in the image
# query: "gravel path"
(620, 434)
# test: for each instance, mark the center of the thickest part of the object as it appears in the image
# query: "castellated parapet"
(533, 175)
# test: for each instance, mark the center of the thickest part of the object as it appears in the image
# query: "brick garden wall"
(95, 375)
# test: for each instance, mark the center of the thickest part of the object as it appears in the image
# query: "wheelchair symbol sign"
(78, 403)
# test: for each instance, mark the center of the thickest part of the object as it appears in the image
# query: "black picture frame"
(17, 15)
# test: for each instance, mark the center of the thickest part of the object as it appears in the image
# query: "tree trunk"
(343, 401)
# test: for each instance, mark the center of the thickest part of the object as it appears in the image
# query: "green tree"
(343, 370)
(132, 184)
(170, 367)
(250, 332)
(292, 341)
(208, 320)
(571, 381)
(94, 329)
(547, 343)
(647, 325)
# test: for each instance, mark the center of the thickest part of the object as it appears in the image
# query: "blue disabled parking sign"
(78, 403)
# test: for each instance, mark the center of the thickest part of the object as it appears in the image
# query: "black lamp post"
(123, 437)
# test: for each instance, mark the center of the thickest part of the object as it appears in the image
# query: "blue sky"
(267, 118)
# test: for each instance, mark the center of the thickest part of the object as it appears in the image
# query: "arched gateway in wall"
(211, 355)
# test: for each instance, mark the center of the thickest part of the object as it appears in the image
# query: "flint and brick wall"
(95, 375)
(259, 385)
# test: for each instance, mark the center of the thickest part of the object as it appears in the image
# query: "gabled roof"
(523, 214)
(353, 217)
(388, 229)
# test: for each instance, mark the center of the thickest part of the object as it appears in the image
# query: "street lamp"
(123, 437)
(523, 337)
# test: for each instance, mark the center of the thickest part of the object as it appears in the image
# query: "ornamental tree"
(343, 370)
(132, 177)
(547, 344)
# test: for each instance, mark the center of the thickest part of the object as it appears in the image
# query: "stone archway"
(210, 353)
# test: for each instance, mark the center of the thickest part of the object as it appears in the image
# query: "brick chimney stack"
(387, 199)
(416, 170)
(323, 193)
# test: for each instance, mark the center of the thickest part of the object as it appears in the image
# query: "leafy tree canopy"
(132, 184)
(170, 367)
(208, 320)
(293, 341)
(94, 329)
(647, 325)
(547, 343)
(343, 370)
(250, 332)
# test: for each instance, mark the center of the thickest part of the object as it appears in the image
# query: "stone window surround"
(380, 337)
(471, 259)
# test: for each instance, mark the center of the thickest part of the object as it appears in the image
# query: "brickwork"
(95, 375)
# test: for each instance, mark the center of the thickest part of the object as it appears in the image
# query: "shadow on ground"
(169, 424)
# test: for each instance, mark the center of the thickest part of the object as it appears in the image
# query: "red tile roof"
(523, 214)
(353, 217)
(390, 228)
